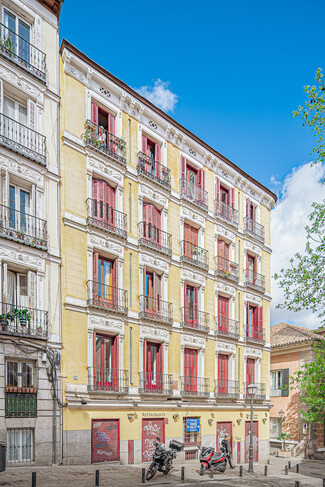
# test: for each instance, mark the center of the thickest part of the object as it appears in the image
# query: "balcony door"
(103, 209)
(105, 282)
(251, 268)
(152, 293)
(254, 321)
(250, 372)
(19, 210)
(153, 365)
(106, 362)
(223, 362)
(14, 124)
(17, 290)
(223, 313)
(223, 256)
(251, 215)
(191, 236)
(191, 304)
(19, 43)
(152, 224)
(152, 162)
(190, 369)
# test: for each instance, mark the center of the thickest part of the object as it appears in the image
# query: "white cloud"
(159, 94)
(288, 221)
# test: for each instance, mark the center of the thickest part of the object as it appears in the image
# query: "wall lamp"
(130, 417)
(210, 421)
(83, 402)
(238, 421)
(175, 416)
(264, 420)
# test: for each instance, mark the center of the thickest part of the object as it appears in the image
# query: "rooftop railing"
(103, 216)
(100, 139)
(21, 139)
(22, 227)
(153, 170)
(194, 194)
(21, 52)
(226, 212)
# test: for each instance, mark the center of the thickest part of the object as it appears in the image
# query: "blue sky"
(238, 68)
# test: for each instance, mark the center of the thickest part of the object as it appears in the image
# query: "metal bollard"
(182, 474)
(323, 482)
(211, 472)
(143, 475)
(297, 468)
(240, 471)
(97, 478)
(289, 464)
(33, 479)
(297, 483)
(286, 470)
(265, 471)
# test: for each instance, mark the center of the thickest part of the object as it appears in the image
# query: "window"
(103, 119)
(20, 41)
(191, 235)
(20, 375)
(192, 181)
(275, 427)
(152, 223)
(254, 321)
(191, 304)
(250, 371)
(103, 205)
(15, 112)
(223, 313)
(280, 382)
(20, 445)
(191, 438)
(190, 369)
(153, 365)
(152, 150)
(106, 361)
(19, 209)
(152, 292)
(223, 361)
(105, 280)
(223, 256)
(250, 210)
(225, 201)
(17, 289)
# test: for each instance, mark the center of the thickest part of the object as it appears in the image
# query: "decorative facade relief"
(192, 276)
(196, 342)
(105, 171)
(248, 245)
(192, 215)
(252, 298)
(21, 170)
(105, 244)
(225, 347)
(154, 333)
(152, 195)
(225, 288)
(153, 262)
(253, 352)
(22, 84)
(20, 256)
(110, 325)
(225, 233)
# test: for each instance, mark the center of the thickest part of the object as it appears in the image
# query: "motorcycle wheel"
(152, 470)
(202, 469)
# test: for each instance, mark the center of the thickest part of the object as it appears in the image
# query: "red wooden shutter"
(144, 209)
(254, 213)
(203, 179)
(259, 317)
(144, 144)
(157, 290)
(195, 305)
(95, 267)
(158, 153)
(111, 124)
(159, 359)
(95, 189)
(145, 365)
(223, 373)
(223, 311)
(232, 197)
(250, 372)
(94, 113)
(183, 167)
(247, 206)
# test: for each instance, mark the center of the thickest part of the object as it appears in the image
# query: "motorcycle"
(210, 459)
(162, 458)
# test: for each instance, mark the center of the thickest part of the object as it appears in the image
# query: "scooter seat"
(216, 456)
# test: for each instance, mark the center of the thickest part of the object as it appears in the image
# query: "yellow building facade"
(165, 280)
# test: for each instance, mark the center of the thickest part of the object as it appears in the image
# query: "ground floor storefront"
(126, 435)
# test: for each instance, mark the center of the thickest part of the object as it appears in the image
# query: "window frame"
(19, 448)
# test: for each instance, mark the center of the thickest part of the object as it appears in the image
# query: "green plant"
(284, 436)
(8, 44)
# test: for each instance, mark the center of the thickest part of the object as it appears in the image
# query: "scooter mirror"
(158, 438)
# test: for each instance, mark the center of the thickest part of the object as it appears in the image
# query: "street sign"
(192, 424)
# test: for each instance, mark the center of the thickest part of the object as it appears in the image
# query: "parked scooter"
(210, 459)
(162, 458)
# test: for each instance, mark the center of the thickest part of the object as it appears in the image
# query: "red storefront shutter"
(224, 427)
(151, 428)
(105, 440)
(255, 440)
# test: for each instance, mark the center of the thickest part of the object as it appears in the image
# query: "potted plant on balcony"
(196, 251)
(21, 235)
(39, 330)
(24, 316)
(3, 321)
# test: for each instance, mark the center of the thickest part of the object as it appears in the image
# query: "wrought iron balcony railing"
(100, 139)
(102, 379)
(226, 327)
(254, 334)
(194, 194)
(21, 139)
(22, 227)
(195, 386)
(155, 309)
(254, 280)
(23, 321)
(161, 384)
(20, 404)
(16, 49)
(227, 388)
(254, 229)
(195, 319)
(153, 170)
(226, 269)
(194, 255)
(154, 238)
(103, 216)
(107, 297)
(226, 212)
(260, 393)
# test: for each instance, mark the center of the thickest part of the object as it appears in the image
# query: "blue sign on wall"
(192, 424)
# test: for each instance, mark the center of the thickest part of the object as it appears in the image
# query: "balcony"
(156, 384)
(101, 215)
(254, 334)
(23, 321)
(227, 389)
(21, 52)
(226, 327)
(101, 379)
(154, 309)
(22, 140)
(226, 269)
(154, 238)
(195, 320)
(20, 404)
(153, 170)
(254, 280)
(194, 194)
(260, 393)
(254, 229)
(195, 386)
(226, 212)
(107, 297)
(103, 141)
(194, 255)
(23, 228)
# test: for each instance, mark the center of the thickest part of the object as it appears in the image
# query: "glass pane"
(9, 107)
(27, 374)
(24, 39)
(11, 282)
(9, 20)
(24, 209)
(98, 351)
(12, 204)
(12, 370)
(22, 114)
(23, 290)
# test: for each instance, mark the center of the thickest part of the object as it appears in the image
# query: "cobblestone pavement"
(311, 475)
